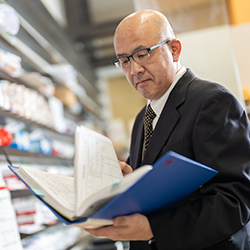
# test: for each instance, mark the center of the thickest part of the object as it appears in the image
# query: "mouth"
(142, 82)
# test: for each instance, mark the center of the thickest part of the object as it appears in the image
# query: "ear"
(176, 47)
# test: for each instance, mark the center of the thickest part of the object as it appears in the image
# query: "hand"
(131, 227)
(126, 169)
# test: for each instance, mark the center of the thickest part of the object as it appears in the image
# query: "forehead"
(129, 41)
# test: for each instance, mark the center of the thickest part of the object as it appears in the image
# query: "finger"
(121, 221)
(103, 231)
(126, 169)
(111, 232)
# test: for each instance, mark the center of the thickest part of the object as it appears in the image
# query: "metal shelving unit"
(20, 193)
(34, 57)
(50, 132)
(38, 158)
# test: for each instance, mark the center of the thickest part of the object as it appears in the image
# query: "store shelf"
(37, 158)
(36, 229)
(20, 193)
(4, 75)
(33, 60)
(55, 236)
(49, 131)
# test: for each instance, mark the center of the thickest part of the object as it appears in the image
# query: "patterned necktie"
(148, 126)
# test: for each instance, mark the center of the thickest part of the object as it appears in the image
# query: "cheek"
(130, 80)
(166, 71)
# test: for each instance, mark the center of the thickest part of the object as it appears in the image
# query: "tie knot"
(149, 114)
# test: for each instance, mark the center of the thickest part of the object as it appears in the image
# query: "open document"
(99, 192)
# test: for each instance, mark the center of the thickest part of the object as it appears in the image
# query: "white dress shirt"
(157, 105)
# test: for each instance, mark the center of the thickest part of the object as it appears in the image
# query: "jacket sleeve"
(221, 207)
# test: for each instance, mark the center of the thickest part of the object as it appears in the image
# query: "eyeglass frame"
(117, 63)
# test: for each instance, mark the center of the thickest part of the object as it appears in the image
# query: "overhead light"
(9, 21)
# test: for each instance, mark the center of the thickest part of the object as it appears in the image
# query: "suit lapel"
(137, 140)
(139, 143)
(168, 118)
(164, 127)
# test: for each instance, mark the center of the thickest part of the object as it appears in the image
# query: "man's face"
(152, 77)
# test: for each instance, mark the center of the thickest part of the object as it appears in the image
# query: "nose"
(135, 67)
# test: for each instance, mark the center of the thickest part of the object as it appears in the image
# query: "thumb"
(120, 221)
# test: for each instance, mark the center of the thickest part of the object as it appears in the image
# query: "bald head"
(146, 23)
(148, 61)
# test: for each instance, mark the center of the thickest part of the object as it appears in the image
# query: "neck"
(178, 67)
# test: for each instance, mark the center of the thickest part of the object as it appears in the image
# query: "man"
(196, 118)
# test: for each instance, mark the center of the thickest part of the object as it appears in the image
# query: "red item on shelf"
(5, 137)
(55, 152)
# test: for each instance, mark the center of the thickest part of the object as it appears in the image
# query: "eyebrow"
(133, 51)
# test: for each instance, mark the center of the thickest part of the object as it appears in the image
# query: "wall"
(121, 107)
(126, 103)
(214, 33)
(240, 26)
(187, 15)
(241, 42)
(210, 54)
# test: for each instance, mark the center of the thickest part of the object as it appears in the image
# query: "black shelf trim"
(37, 157)
(20, 193)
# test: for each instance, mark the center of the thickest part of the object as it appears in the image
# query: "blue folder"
(172, 178)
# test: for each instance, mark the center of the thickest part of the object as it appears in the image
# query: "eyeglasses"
(139, 56)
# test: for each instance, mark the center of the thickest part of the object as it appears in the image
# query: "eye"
(124, 61)
(141, 55)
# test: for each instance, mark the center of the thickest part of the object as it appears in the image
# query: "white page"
(96, 164)
(58, 189)
(9, 235)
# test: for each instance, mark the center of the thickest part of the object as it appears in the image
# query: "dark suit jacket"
(203, 121)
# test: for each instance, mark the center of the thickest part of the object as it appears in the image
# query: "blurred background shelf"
(20, 193)
(50, 132)
(36, 158)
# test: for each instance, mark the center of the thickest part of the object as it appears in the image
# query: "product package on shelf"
(57, 111)
(39, 143)
(37, 81)
(9, 235)
(63, 149)
(30, 215)
(5, 137)
(67, 97)
(21, 141)
(30, 212)
(10, 62)
(53, 238)
(11, 181)
(25, 102)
